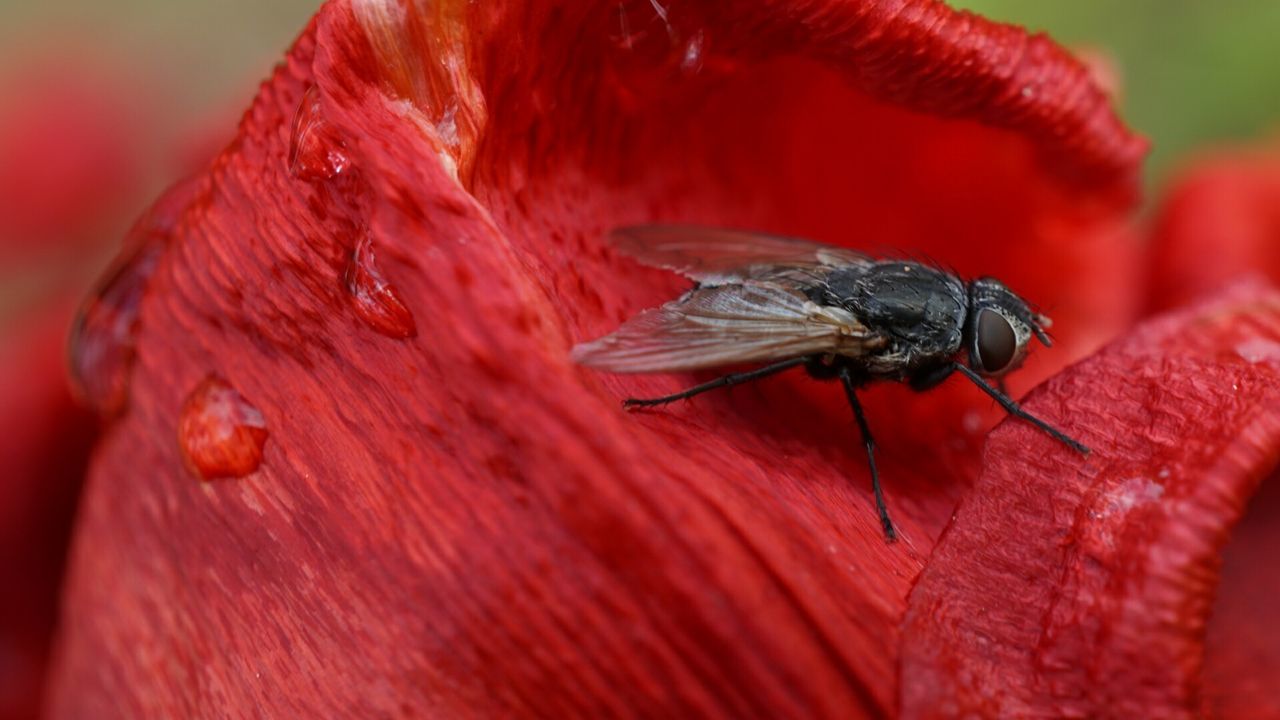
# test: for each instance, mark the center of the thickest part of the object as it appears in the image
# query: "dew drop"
(315, 150)
(101, 348)
(375, 300)
(692, 60)
(1259, 350)
(221, 435)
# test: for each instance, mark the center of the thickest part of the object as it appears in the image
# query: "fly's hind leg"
(850, 391)
(720, 382)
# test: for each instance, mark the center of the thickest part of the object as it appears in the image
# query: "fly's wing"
(726, 325)
(716, 255)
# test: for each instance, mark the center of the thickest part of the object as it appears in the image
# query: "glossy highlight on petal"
(423, 52)
(220, 433)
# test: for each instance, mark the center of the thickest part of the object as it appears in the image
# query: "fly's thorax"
(918, 310)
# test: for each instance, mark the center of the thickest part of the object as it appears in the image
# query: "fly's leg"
(850, 391)
(1015, 410)
(725, 381)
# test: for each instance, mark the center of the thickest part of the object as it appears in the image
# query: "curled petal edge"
(1069, 585)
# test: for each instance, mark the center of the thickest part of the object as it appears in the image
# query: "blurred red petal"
(1220, 221)
(461, 522)
(1242, 642)
(44, 450)
(1071, 586)
(70, 133)
(104, 331)
(68, 163)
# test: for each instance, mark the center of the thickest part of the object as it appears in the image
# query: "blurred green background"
(219, 49)
(1193, 73)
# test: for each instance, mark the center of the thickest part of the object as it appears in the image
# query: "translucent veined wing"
(726, 325)
(716, 255)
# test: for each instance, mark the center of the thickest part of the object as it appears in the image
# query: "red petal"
(104, 333)
(69, 135)
(462, 522)
(1221, 221)
(69, 138)
(44, 450)
(1242, 642)
(1071, 586)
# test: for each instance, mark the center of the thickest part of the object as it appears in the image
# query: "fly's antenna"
(1040, 323)
(1034, 318)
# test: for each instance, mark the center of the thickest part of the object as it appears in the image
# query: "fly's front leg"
(850, 391)
(725, 381)
(1016, 410)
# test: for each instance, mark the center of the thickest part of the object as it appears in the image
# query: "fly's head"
(999, 327)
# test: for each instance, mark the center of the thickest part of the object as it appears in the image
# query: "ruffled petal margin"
(1217, 225)
(1071, 586)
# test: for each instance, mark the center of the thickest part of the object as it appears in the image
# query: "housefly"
(787, 303)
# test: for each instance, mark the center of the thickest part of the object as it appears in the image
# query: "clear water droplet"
(374, 299)
(1259, 350)
(101, 348)
(693, 49)
(220, 433)
(316, 152)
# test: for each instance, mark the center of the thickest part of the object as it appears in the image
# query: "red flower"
(363, 309)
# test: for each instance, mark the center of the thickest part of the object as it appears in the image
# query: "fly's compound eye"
(997, 343)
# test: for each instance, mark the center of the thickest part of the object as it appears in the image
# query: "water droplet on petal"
(375, 300)
(101, 347)
(692, 60)
(1259, 351)
(316, 152)
(221, 435)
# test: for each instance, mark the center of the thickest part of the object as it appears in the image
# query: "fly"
(790, 303)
